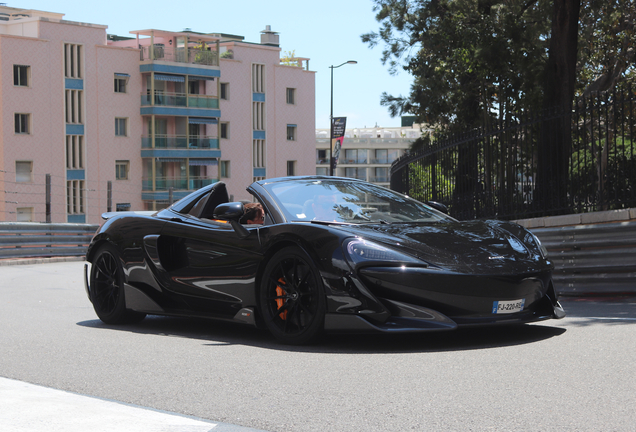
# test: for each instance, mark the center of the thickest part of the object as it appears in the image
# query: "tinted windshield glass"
(348, 201)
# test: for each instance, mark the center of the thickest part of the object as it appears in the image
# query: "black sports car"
(331, 254)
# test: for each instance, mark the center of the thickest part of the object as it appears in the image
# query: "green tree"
(289, 58)
(470, 59)
(476, 60)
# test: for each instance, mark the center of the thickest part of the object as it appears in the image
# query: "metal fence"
(28, 240)
(492, 172)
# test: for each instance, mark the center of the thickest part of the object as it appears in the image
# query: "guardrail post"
(109, 196)
(48, 198)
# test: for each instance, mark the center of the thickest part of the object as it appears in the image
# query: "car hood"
(485, 247)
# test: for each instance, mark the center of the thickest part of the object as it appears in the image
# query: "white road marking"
(33, 408)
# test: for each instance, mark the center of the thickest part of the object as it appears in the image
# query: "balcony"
(354, 161)
(180, 100)
(180, 142)
(383, 161)
(179, 55)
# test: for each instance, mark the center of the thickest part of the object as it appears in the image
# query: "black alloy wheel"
(291, 298)
(107, 288)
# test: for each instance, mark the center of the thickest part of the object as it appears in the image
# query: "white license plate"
(507, 306)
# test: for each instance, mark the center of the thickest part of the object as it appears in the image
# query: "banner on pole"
(339, 125)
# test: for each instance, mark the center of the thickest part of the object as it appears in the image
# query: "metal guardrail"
(29, 239)
(592, 259)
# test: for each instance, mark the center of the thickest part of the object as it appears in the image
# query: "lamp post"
(332, 158)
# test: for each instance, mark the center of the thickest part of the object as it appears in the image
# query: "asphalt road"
(577, 374)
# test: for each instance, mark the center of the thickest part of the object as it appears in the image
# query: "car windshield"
(339, 200)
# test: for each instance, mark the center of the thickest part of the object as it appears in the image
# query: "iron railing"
(492, 172)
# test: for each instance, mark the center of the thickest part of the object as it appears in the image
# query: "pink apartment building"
(119, 123)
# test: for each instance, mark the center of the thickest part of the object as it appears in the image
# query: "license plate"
(507, 306)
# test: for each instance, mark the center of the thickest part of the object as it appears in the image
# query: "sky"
(326, 31)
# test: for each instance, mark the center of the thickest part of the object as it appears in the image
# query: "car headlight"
(358, 251)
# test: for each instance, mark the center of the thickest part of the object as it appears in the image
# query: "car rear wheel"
(291, 297)
(107, 288)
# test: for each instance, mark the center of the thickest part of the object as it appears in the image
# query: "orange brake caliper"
(279, 301)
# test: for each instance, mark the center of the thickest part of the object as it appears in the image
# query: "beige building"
(93, 122)
(367, 153)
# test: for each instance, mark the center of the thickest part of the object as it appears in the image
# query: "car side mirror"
(437, 206)
(229, 211)
(232, 212)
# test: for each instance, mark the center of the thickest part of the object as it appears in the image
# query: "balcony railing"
(353, 161)
(382, 161)
(203, 101)
(165, 183)
(165, 99)
(180, 142)
(180, 100)
(178, 55)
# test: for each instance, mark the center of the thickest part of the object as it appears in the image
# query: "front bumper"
(391, 299)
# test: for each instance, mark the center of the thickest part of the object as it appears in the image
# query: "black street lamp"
(332, 158)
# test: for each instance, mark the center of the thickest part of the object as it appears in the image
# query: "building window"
(258, 115)
(356, 173)
(121, 169)
(23, 171)
(22, 123)
(193, 86)
(121, 81)
(120, 127)
(72, 61)
(291, 96)
(74, 106)
(258, 78)
(323, 156)
(392, 155)
(24, 214)
(381, 156)
(225, 91)
(225, 130)
(322, 171)
(291, 168)
(355, 156)
(258, 153)
(74, 152)
(225, 169)
(381, 175)
(75, 197)
(21, 75)
(291, 132)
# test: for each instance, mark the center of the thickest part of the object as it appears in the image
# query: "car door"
(207, 265)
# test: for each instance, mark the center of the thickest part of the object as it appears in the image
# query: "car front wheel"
(291, 297)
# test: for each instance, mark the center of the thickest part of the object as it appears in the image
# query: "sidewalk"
(32, 408)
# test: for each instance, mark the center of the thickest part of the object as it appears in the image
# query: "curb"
(40, 260)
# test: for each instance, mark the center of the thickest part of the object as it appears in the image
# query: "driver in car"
(324, 207)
